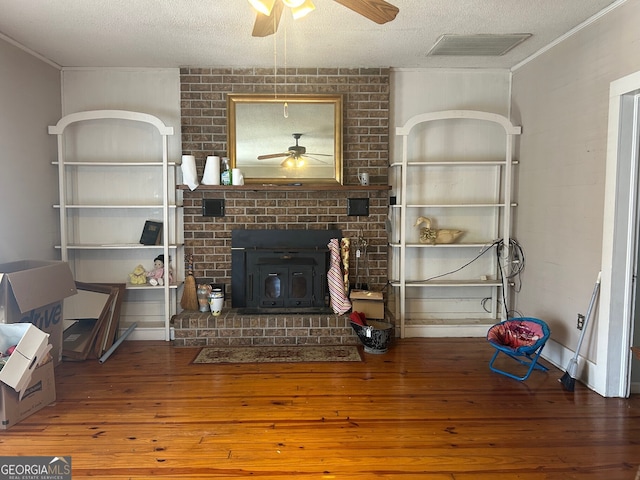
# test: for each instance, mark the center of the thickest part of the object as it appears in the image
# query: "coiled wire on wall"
(510, 267)
(511, 271)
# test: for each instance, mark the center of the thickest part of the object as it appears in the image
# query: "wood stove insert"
(280, 271)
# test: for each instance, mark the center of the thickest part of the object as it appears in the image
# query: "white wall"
(150, 90)
(561, 100)
(415, 91)
(30, 99)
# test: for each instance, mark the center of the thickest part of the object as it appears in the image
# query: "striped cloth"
(339, 301)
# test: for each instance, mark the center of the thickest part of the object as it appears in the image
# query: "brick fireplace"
(366, 148)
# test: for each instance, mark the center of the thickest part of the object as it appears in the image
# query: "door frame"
(611, 370)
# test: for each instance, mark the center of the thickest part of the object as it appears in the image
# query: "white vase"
(216, 301)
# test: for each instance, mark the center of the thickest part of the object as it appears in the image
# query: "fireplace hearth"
(280, 271)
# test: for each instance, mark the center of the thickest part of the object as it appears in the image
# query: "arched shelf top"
(64, 122)
(504, 122)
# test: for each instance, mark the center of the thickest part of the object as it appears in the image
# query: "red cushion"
(515, 333)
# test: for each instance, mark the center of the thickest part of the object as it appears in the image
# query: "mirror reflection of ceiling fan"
(270, 11)
(296, 156)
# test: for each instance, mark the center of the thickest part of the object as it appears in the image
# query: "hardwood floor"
(427, 409)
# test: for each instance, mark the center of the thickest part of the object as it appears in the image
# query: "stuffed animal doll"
(138, 276)
(156, 276)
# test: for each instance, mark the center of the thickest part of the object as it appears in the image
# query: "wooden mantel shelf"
(255, 187)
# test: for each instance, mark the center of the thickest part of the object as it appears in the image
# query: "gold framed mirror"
(295, 139)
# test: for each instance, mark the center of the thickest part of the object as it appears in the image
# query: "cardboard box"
(40, 392)
(369, 303)
(31, 344)
(32, 291)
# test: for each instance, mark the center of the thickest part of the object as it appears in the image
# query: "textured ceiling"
(173, 33)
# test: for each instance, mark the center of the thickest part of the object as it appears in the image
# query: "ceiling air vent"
(481, 45)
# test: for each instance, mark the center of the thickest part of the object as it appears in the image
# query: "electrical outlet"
(580, 325)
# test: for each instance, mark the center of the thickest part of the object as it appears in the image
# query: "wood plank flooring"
(427, 409)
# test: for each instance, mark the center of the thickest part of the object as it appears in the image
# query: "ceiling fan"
(270, 11)
(296, 155)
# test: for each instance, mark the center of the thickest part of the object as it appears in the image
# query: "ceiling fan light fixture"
(263, 6)
(293, 3)
(306, 7)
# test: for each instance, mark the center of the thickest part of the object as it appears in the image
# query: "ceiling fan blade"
(266, 25)
(273, 155)
(377, 10)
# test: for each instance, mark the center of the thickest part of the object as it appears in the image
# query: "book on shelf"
(151, 233)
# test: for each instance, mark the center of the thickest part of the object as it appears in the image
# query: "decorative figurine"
(203, 291)
(436, 235)
(156, 276)
(138, 276)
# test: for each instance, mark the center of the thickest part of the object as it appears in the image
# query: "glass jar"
(203, 292)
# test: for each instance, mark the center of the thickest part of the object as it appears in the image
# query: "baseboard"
(441, 331)
(145, 333)
(559, 356)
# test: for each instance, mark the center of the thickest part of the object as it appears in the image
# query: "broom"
(568, 380)
(189, 299)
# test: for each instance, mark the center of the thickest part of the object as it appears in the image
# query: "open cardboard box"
(31, 344)
(33, 291)
(367, 302)
(28, 382)
(40, 392)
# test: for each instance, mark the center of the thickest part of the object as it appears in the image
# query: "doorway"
(621, 235)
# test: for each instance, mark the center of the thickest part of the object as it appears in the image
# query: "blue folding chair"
(522, 339)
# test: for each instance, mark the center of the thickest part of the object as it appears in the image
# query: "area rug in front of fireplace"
(279, 354)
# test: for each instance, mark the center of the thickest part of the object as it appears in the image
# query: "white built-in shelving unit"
(456, 169)
(114, 174)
